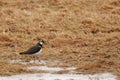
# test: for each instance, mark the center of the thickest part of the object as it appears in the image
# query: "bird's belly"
(37, 53)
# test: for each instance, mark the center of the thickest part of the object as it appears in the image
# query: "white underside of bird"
(37, 53)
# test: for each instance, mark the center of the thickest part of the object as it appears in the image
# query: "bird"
(35, 50)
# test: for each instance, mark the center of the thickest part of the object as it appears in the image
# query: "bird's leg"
(37, 59)
(27, 58)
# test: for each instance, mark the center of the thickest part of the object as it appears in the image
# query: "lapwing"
(35, 50)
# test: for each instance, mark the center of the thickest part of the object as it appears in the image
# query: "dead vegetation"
(80, 33)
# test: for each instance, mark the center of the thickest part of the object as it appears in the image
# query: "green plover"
(35, 49)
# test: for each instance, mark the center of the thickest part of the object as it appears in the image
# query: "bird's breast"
(37, 53)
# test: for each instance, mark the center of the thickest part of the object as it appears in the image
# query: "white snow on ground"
(45, 68)
(50, 69)
(48, 76)
(31, 61)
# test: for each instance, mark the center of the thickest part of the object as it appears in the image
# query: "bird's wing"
(32, 50)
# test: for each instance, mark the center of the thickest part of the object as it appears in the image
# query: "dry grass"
(81, 33)
(9, 69)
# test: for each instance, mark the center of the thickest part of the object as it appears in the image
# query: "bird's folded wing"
(32, 50)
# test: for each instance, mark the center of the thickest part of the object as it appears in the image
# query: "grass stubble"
(80, 33)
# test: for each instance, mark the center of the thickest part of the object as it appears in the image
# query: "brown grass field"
(80, 33)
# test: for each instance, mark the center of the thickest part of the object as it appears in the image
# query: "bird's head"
(41, 42)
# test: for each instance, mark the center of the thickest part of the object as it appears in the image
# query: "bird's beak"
(44, 42)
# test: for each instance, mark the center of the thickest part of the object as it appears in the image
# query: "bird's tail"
(21, 53)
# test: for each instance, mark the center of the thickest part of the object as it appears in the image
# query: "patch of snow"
(70, 68)
(14, 61)
(48, 76)
(51, 69)
(31, 61)
(45, 68)
(37, 62)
